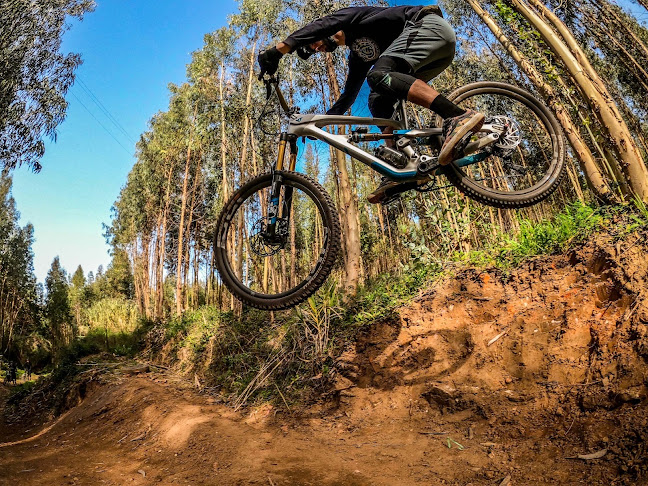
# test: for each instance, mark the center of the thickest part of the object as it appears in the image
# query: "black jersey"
(368, 31)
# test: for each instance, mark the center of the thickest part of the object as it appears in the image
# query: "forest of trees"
(586, 59)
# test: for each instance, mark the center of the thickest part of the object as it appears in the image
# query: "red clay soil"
(430, 397)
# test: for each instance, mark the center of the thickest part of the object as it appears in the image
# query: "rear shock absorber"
(394, 157)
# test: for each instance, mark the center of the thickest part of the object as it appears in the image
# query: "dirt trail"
(420, 399)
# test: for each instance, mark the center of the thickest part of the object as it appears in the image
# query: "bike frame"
(301, 125)
(308, 125)
(312, 126)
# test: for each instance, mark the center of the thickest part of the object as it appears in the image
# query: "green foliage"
(20, 391)
(315, 318)
(230, 350)
(197, 327)
(638, 217)
(35, 75)
(115, 342)
(112, 315)
(378, 298)
(569, 227)
(19, 300)
(57, 305)
(69, 356)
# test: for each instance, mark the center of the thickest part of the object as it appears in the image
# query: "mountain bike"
(278, 236)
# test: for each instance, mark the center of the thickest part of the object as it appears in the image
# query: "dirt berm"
(536, 377)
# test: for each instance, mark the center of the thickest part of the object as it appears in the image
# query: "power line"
(99, 122)
(104, 109)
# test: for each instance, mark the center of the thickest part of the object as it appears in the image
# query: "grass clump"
(569, 227)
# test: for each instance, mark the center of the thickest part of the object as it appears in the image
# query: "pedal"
(460, 149)
(390, 199)
(394, 193)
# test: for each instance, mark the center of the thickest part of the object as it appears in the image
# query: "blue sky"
(131, 51)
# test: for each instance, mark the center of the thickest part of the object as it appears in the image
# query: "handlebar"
(272, 81)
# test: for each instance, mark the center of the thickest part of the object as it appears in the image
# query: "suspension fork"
(287, 202)
(275, 190)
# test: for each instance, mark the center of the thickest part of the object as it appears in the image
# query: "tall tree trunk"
(581, 150)
(225, 186)
(348, 202)
(604, 35)
(192, 208)
(144, 260)
(243, 164)
(185, 184)
(161, 256)
(137, 276)
(610, 12)
(595, 91)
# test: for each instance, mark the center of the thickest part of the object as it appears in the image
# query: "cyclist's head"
(325, 45)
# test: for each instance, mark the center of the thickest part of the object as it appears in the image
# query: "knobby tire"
(324, 265)
(528, 196)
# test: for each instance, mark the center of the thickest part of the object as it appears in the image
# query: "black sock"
(445, 108)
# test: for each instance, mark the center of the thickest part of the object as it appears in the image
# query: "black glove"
(305, 52)
(269, 61)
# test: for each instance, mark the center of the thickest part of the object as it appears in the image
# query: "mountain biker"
(397, 49)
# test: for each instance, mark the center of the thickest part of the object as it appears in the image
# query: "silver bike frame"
(312, 126)
(308, 125)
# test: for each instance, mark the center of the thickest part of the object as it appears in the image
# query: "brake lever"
(272, 80)
(268, 81)
(268, 89)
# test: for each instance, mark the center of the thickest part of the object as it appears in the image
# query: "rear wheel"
(277, 269)
(526, 164)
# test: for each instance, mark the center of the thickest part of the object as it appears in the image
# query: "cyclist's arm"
(322, 28)
(357, 74)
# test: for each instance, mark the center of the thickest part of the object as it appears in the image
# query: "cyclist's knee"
(390, 76)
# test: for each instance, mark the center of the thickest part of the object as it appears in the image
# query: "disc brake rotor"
(510, 134)
(261, 245)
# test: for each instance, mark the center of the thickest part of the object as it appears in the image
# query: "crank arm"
(473, 147)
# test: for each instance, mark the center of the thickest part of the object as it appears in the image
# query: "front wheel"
(526, 164)
(273, 253)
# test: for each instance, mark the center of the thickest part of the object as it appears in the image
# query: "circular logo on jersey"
(366, 49)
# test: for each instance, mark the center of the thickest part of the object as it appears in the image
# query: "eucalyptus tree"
(77, 295)
(158, 161)
(593, 89)
(536, 76)
(34, 75)
(58, 314)
(130, 230)
(617, 44)
(18, 293)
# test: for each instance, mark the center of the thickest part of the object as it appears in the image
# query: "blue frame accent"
(468, 160)
(274, 202)
(392, 175)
